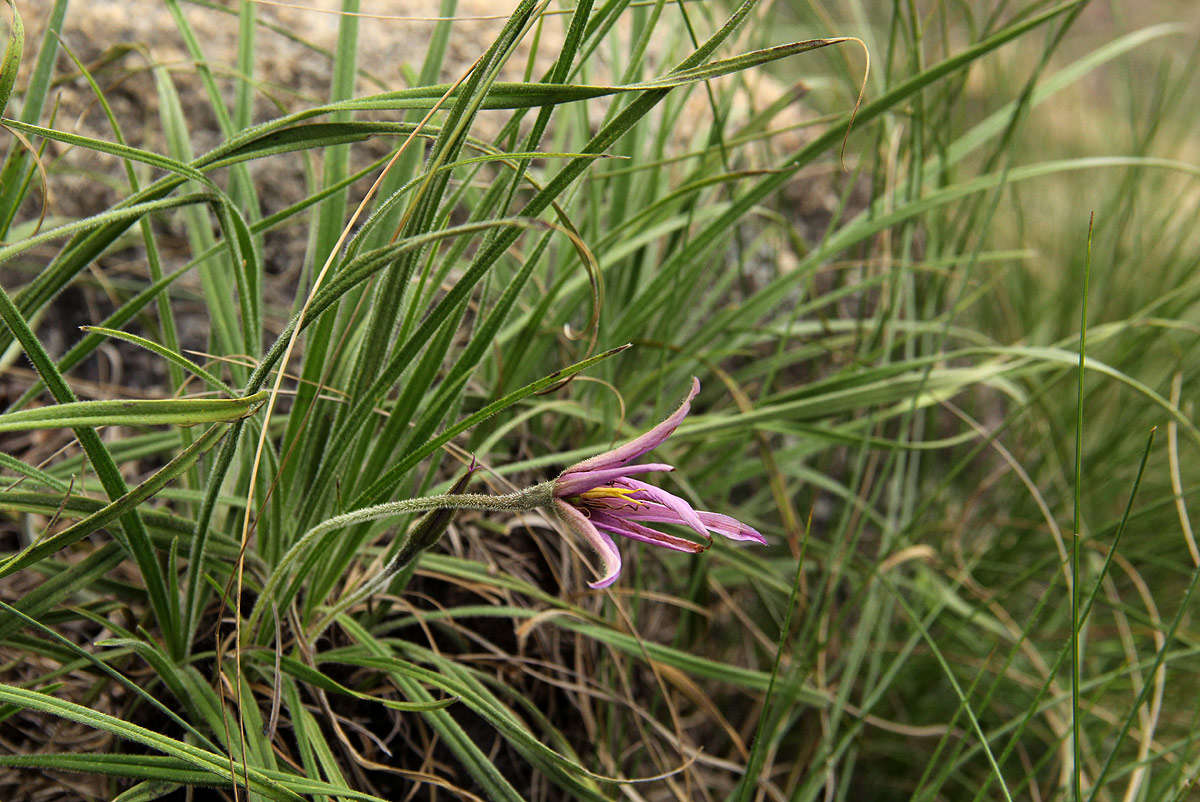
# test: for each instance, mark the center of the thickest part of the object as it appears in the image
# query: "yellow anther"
(622, 493)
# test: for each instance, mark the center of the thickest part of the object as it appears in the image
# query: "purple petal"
(653, 513)
(577, 522)
(729, 527)
(636, 531)
(635, 448)
(715, 522)
(573, 484)
(685, 512)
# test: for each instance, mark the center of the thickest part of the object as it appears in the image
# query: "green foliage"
(11, 60)
(917, 364)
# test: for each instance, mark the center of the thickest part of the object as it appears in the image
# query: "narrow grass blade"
(116, 508)
(182, 412)
(12, 174)
(201, 758)
(10, 62)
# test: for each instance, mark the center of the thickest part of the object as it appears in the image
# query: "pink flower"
(596, 498)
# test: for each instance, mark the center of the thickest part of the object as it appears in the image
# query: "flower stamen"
(621, 493)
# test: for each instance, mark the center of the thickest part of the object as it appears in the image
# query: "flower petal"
(635, 448)
(636, 531)
(572, 484)
(653, 513)
(578, 523)
(685, 512)
(729, 527)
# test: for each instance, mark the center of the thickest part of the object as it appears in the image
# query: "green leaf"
(12, 182)
(166, 353)
(319, 680)
(147, 791)
(417, 454)
(182, 412)
(116, 508)
(10, 63)
(36, 474)
(169, 769)
(195, 756)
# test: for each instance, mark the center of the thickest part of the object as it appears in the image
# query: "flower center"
(619, 493)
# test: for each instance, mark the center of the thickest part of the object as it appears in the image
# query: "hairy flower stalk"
(540, 495)
(595, 498)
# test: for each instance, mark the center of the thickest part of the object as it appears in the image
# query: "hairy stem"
(529, 499)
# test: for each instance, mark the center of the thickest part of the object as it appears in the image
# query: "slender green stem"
(529, 499)
(1077, 754)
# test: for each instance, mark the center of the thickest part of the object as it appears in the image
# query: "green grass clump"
(959, 411)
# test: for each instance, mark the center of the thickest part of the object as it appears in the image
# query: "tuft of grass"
(512, 251)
